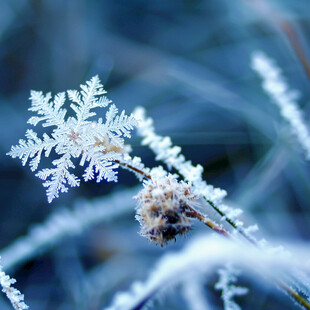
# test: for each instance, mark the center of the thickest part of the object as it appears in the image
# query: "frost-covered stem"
(275, 85)
(297, 297)
(232, 223)
(194, 213)
(199, 258)
(135, 169)
(14, 295)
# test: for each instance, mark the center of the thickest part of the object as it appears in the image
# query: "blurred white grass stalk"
(14, 295)
(203, 255)
(194, 295)
(284, 98)
(66, 223)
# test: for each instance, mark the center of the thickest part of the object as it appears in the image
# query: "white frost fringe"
(171, 155)
(202, 255)
(227, 278)
(14, 295)
(276, 87)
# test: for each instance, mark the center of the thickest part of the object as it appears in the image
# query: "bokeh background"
(188, 63)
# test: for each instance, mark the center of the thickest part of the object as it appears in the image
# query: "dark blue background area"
(188, 63)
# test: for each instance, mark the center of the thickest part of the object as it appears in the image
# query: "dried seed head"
(162, 208)
(109, 147)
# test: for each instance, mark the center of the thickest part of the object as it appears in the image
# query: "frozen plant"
(166, 204)
(98, 143)
(14, 295)
(276, 87)
(163, 207)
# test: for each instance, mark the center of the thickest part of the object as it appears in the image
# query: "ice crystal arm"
(14, 295)
(87, 99)
(116, 126)
(119, 124)
(98, 144)
(32, 148)
(101, 164)
(50, 113)
(276, 87)
(59, 177)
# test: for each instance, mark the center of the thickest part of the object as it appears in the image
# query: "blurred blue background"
(188, 63)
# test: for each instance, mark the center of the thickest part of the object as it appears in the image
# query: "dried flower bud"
(161, 210)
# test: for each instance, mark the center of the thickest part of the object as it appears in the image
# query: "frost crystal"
(14, 295)
(97, 142)
(285, 98)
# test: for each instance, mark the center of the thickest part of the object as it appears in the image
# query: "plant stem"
(194, 213)
(232, 223)
(298, 298)
(144, 174)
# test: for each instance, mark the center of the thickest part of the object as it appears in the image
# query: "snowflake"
(97, 143)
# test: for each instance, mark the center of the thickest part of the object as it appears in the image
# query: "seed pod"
(161, 210)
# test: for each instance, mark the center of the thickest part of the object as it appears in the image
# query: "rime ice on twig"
(96, 142)
(276, 87)
(14, 295)
(136, 166)
(228, 276)
(171, 155)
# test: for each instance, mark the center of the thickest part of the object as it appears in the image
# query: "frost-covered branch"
(284, 98)
(66, 223)
(14, 295)
(201, 256)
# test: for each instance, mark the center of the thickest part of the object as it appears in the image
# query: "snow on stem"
(285, 99)
(14, 295)
(201, 256)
